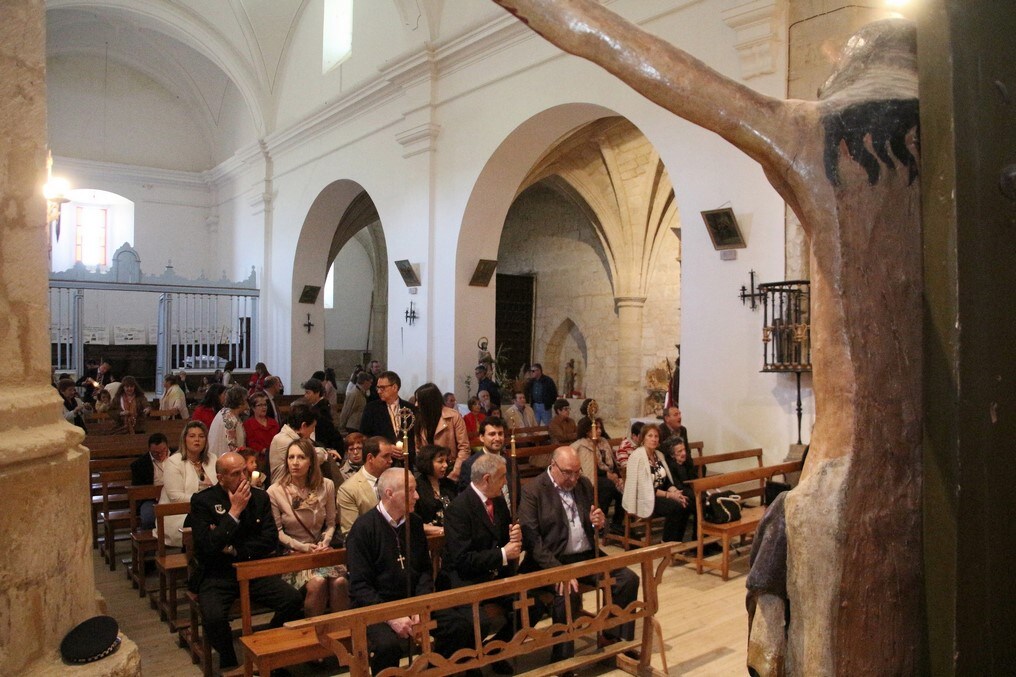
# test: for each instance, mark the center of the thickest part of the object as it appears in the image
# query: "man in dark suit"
(273, 388)
(672, 426)
(147, 469)
(481, 545)
(483, 382)
(381, 417)
(232, 522)
(558, 516)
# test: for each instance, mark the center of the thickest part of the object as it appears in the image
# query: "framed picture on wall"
(723, 229)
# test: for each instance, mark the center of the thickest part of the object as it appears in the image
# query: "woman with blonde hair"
(185, 473)
(303, 504)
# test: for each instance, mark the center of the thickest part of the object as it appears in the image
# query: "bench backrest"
(701, 486)
(275, 566)
(162, 511)
(702, 461)
(526, 587)
(112, 482)
(137, 494)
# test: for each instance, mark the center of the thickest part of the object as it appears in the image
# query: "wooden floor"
(704, 626)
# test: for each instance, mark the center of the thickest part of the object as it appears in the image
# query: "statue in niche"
(569, 378)
(847, 165)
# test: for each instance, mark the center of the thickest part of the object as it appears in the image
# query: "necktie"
(490, 509)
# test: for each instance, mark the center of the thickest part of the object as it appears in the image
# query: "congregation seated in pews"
(362, 544)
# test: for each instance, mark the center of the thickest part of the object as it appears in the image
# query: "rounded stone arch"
(566, 343)
(337, 214)
(496, 187)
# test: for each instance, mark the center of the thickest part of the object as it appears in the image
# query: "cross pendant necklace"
(402, 561)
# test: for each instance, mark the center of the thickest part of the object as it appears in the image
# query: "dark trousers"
(455, 626)
(608, 494)
(675, 518)
(147, 514)
(385, 647)
(623, 592)
(216, 597)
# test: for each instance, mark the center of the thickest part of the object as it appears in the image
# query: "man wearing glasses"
(558, 517)
(381, 417)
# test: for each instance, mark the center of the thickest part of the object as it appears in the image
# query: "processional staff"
(592, 409)
(407, 419)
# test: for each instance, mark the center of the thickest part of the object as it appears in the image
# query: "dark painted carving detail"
(887, 122)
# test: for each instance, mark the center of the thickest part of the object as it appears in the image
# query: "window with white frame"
(337, 34)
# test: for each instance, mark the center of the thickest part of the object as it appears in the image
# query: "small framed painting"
(723, 229)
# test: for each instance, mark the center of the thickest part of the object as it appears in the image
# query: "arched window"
(92, 225)
(337, 38)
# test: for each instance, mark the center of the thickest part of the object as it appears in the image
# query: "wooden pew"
(142, 540)
(344, 633)
(113, 512)
(278, 648)
(709, 532)
(171, 566)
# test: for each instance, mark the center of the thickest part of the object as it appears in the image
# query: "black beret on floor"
(91, 640)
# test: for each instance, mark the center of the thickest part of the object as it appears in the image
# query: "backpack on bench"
(721, 507)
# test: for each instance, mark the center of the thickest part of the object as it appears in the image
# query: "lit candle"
(255, 477)
(398, 446)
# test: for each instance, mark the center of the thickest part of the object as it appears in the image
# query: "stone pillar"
(46, 579)
(630, 393)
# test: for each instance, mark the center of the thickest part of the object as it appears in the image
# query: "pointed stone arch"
(567, 342)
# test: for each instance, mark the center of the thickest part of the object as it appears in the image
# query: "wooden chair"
(142, 540)
(113, 511)
(171, 566)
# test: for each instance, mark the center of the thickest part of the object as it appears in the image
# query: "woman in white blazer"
(185, 473)
(649, 489)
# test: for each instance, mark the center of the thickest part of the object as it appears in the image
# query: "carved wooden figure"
(847, 165)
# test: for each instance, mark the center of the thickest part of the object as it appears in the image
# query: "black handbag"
(721, 507)
(774, 489)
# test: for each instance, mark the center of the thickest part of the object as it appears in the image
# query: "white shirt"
(577, 539)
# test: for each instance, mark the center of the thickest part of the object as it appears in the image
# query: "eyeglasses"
(385, 386)
(262, 404)
(568, 473)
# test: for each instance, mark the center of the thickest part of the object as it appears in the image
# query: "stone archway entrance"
(356, 324)
(342, 213)
(593, 224)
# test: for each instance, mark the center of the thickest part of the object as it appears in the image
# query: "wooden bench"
(279, 647)
(344, 633)
(142, 540)
(113, 511)
(171, 566)
(709, 532)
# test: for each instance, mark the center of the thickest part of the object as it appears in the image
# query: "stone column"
(46, 579)
(630, 393)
